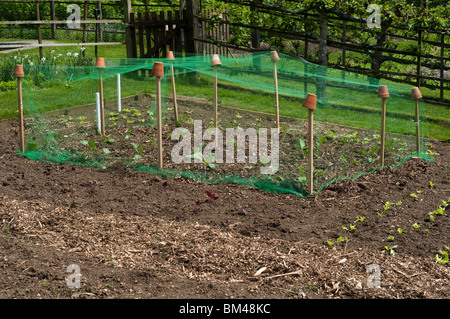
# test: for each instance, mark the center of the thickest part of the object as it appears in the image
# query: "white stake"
(97, 111)
(119, 95)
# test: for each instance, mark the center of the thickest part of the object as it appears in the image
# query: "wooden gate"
(155, 33)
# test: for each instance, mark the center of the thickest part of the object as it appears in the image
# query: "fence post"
(128, 32)
(85, 15)
(38, 18)
(100, 26)
(191, 31)
(53, 17)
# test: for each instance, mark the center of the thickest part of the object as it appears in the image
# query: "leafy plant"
(206, 161)
(431, 184)
(399, 230)
(442, 256)
(416, 226)
(91, 144)
(390, 250)
(344, 160)
(285, 130)
(320, 142)
(332, 134)
(342, 239)
(127, 134)
(302, 145)
(350, 228)
(372, 152)
(414, 196)
(138, 149)
(360, 219)
(387, 205)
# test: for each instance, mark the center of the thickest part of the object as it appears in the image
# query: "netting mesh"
(62, 124)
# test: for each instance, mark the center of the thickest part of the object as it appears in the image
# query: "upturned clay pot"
(100, 63)
(310, 102)
(158, 69)
(215, 60)
(18, 71)
(415, 93)
(383, 91)
(170, 55)
(274, 56)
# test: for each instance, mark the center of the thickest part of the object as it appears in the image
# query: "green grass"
(358, 109)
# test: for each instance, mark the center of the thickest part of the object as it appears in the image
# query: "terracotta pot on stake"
(158, 72)
(416, 95)
(171, 57)
(215, 62)
(310, 103)
(100, 65)
(19, 74)
(274, 56)
(383, 93)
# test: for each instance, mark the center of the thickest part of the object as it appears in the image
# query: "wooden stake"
(310, 103)
(22, 130)
(277, 109)
(158, 72)
(416, 95)
(383, 93)
(216, 117)
(383, 130)
(174, 93)
(159, 117)
(274, 56)
(215, 62)
(18, 73)
(310, 151)
(417, 127)
(171, 57)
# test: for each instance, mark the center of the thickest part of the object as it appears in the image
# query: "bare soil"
(136, 235)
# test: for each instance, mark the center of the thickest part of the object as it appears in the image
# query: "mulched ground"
(135, 236)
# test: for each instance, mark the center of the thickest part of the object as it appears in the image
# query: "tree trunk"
(377, 56)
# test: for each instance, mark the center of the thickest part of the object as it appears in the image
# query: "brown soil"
(135, 236)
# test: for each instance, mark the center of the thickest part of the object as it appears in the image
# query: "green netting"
(62, 125)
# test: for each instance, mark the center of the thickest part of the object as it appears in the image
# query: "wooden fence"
(150, 33)
(417, 68)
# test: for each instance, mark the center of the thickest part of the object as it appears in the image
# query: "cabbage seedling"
(391, 250)
(138, 150)
(442, 256)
